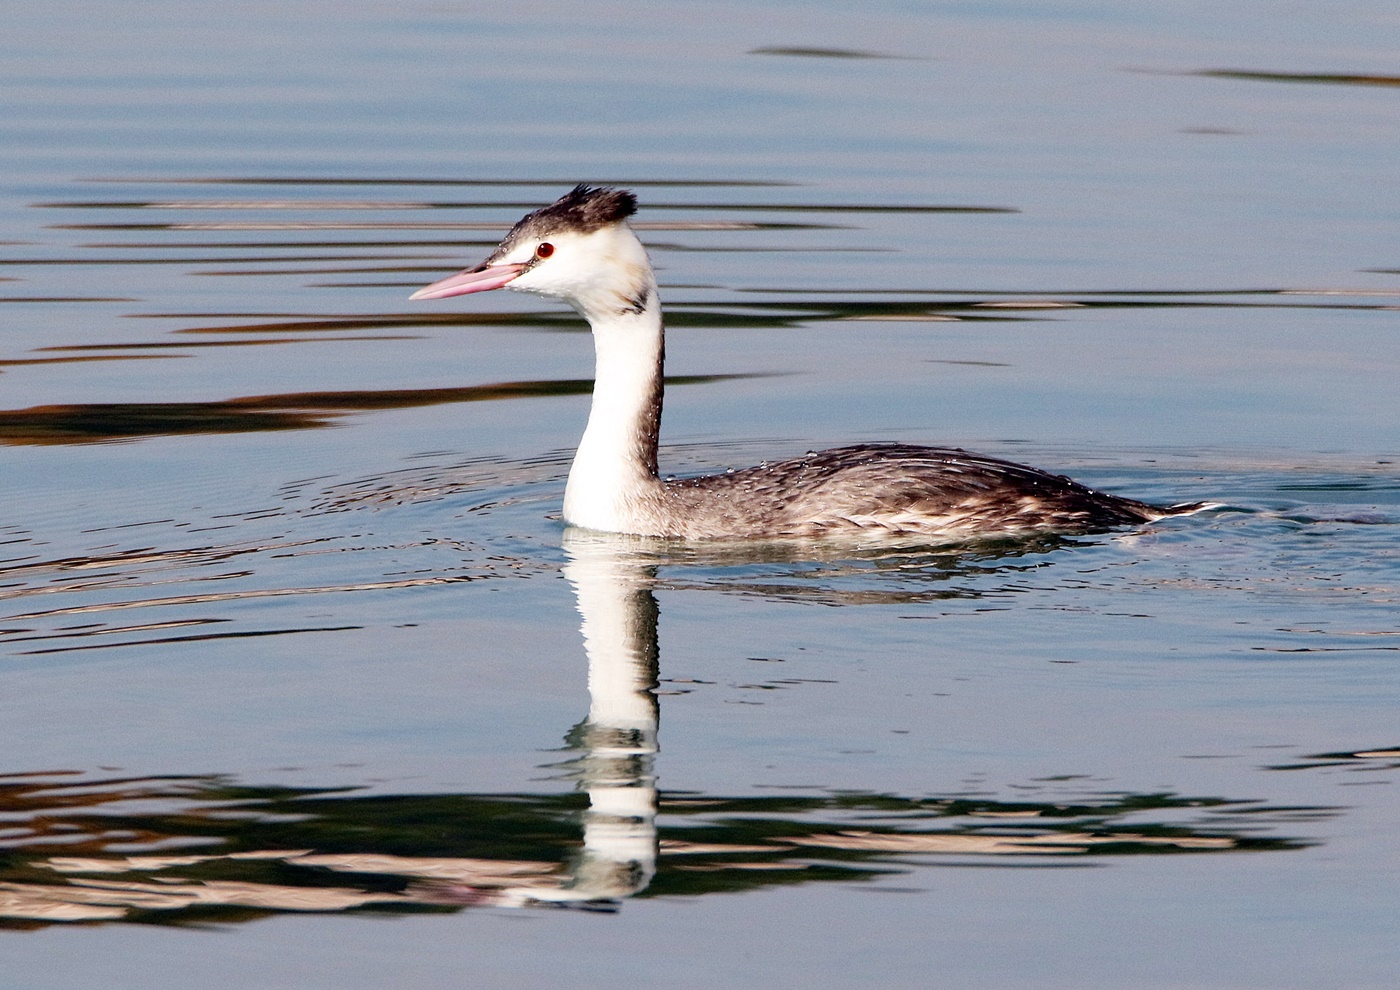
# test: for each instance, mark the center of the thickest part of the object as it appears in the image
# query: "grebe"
(581, 251)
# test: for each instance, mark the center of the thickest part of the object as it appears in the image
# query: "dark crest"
(583, 209)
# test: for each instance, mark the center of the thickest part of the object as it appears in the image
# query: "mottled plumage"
(580, 250)
(896, 489)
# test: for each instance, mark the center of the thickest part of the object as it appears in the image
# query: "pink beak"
(475, 280)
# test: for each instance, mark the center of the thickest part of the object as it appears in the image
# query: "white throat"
(614, 469)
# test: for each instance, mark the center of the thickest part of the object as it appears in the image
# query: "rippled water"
(293, 632)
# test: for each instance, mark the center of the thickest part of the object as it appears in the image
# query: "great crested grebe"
(581, 251)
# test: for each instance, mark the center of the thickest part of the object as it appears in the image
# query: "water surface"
(295, 641)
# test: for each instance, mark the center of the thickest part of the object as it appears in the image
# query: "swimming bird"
(581, 251)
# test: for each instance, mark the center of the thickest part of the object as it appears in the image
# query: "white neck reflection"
(612, 584)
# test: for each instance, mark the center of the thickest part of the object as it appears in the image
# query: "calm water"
(305, 683)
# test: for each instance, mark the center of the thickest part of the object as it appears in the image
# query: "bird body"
(581, 251)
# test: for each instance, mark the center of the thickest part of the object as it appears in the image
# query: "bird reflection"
(619, 738)
(136, 849)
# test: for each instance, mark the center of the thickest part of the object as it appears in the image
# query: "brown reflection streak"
(96, 422)
(1011, 844)
(338, 270)
(161, 640)
(428, 225)
(144, 345)
(364, 322)
(63, 299)
(1335, 78)
(230, 596)
(269, 259)
(269, 245)
(820, 52)
(258, 180)
(117, 630)
(14, 362)
(320, 204)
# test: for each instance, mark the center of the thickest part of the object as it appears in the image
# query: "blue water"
(294, 689)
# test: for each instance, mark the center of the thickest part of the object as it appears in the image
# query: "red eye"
(544, 250)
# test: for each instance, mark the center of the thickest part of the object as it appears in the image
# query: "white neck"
(615, 466)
